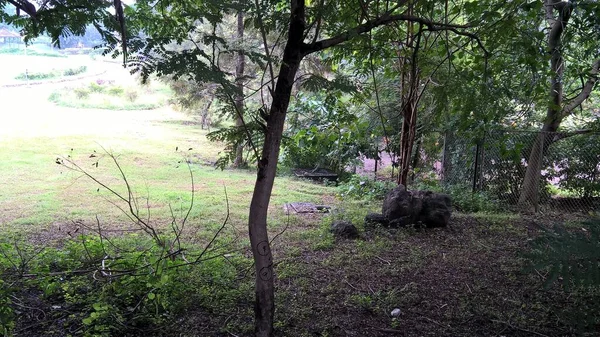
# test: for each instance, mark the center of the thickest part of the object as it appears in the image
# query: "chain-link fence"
(519, 169)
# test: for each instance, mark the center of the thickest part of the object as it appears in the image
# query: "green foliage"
(364, 188)
(465, 200)
(74, 71)
(29, 52)
(118, 285)
(7, 315)
(116, 90)
(250, 136)
(103, 94)
(80, 93)
(51, 74)
(575, 164)
(325, 133)
(131, 95)
(569, 255)
(97, 87)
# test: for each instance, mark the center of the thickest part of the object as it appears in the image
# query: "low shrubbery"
(30, 51)
(54, 73)
(364, 188)
(103, 94)
(100, 286)
(463, 198)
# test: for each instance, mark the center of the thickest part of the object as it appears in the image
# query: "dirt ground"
(466, 280)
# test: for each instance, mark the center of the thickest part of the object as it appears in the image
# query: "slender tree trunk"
(554, 115)
(267, 165)
(409, 106)
(416, 157)
(239, 97)
(557, 110)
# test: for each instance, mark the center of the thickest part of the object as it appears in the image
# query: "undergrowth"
(97, 286)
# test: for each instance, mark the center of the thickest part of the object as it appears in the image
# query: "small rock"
(375, 219)
(396, 312)
(344, 229)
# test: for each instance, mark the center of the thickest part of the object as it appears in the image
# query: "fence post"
(476, 170)
(536, 199)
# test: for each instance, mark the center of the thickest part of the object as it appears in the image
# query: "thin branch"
(383, 20)
(585, 92)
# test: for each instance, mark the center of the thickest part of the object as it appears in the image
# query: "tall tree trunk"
(267, 165)
(557, 110)
(531, 183)
(410, 88)
(239, 81)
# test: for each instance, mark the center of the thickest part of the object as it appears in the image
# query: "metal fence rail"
(496, 164)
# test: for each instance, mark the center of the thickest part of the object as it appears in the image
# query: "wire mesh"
(566, 178)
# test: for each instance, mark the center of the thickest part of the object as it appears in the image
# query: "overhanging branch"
(585, 92)
(383, 20)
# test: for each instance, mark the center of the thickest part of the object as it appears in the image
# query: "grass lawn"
(464, 280)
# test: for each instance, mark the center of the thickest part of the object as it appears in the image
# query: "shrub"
(96, 87)
(37, 75)
(75, 71)
(465, 200)
(81, 93)
(54, 97)
(131, 95)
(54, 73)
(116, 90)
(364, 188)
(112, 290)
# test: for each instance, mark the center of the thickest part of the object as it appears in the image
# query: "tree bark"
(531, 183)
(267, 165)
(410, 88)
(239, 97)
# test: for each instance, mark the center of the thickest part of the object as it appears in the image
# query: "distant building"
(7, 37)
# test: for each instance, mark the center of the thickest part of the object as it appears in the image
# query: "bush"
(54, 73)
(465, 200)
(7, 315)
(75, 71)
(116, 90)
(54, 97)
(324, 132)
(364, 188)
(96, 86)
(81, 93)
(37, 75)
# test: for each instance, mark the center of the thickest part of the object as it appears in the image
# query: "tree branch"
(585, 92)
(562, 135)
(383, 20)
